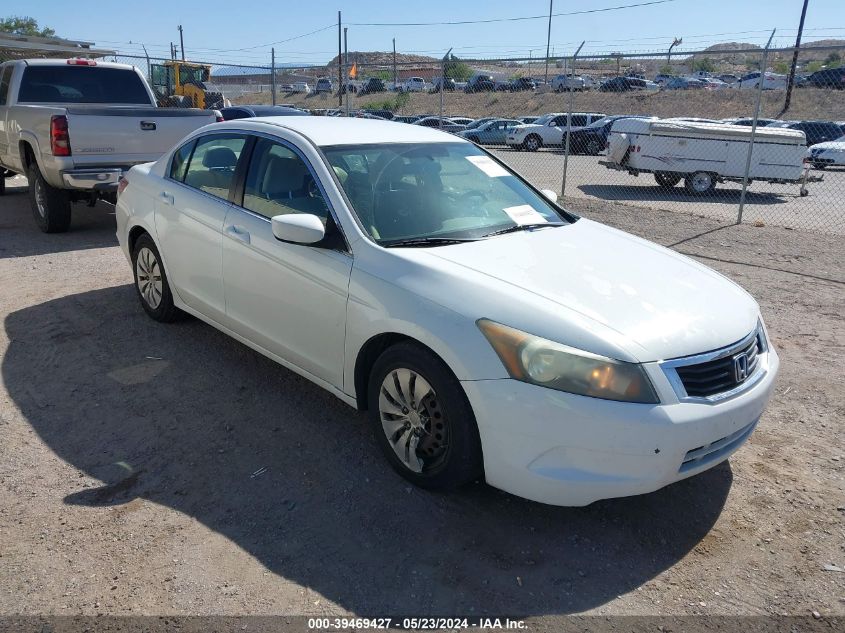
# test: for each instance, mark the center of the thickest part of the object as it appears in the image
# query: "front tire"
(533, 143)
(700, 183)
(50, 206)
(666, 180)
(422, 419)
(151, 281)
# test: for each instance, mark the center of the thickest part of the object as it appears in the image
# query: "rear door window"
(179, 163)
(5, 77)
(212, 165)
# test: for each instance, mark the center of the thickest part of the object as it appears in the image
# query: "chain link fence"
(701, 133)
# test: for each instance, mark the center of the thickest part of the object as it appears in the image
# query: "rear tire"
(593, 148)
(434, 441)
(700, 183)
(50, 206)
(666, 180)
(151, 281)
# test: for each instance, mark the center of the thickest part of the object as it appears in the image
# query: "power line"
(514, 19)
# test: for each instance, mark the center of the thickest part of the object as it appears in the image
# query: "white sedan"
(828, 154)
(489, 333)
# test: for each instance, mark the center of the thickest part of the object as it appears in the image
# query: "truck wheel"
(700, 183)
(666, 180)
(533, 143)
(50, 206)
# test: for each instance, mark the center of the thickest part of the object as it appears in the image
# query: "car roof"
(64, 62)
(326, 131)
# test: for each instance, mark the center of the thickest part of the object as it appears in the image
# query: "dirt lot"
(809, 103)
(129, 451)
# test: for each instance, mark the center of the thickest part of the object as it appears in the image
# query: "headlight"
(545, 363)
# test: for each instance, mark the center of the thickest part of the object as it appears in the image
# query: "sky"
(223, 32)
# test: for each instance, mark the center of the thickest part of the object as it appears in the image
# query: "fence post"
(568, 125)
(754, 128)
(442, 82)
(273, 74)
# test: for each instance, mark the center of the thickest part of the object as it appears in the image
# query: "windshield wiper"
(427, 241)
(524, 227)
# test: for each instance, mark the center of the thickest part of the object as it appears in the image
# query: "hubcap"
(148, 272)
(532, 144)
(412, 420)
(701, 182)
(40, 198)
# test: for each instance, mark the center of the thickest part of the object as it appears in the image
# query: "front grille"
(714, 451)
(719, 375)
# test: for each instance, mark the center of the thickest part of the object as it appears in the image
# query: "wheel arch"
(369, 353)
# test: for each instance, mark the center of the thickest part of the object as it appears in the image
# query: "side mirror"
(299, 228)
(551, 195)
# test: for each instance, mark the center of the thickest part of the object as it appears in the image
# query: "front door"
(288, 298)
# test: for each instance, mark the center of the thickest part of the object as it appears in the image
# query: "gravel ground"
(130, 451)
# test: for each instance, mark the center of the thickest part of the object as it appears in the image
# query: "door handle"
(237, 233)
(148, 125)
(166, 197)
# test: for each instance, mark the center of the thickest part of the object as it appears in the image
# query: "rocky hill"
(381, 58)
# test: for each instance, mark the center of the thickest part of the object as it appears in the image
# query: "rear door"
(190, 209)
(288, 298)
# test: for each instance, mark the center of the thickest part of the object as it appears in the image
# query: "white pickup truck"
(73, 127)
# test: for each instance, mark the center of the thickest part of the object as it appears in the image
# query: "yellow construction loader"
(179, 84)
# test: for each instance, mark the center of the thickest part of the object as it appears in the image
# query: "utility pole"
(394, 63)
(346, 67)
(339, 67)
(273, 74)
(182, 42)
(791, 81)
(549, 39)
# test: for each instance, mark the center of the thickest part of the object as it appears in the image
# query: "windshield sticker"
(488, 166)
(524, 214)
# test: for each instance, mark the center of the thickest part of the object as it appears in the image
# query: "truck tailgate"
(126, 136)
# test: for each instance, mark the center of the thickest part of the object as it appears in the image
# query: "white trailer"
(703, 154)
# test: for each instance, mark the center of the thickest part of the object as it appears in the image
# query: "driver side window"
(279, 182)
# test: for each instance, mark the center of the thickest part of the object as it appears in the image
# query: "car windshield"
(543, 120)
(435, 192)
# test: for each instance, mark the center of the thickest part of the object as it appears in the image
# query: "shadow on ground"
(192, 415)
(91, 227)
(653, 193)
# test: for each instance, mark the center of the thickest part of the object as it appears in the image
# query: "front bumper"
(563, 449)
(98, 179)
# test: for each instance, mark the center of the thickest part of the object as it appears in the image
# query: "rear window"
(82, 84)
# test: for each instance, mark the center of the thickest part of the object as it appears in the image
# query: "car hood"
(525, 128)
(600, 289)
(840, 145)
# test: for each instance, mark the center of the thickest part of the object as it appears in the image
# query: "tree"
(24, 25)
(706, 64)
(456, 69)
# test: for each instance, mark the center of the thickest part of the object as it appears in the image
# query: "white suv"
(569, 82)
(414, 84)
(548, 130)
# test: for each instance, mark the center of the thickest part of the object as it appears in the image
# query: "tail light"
(218, 117)
(59, 136)
(121, 185)
(81, 62)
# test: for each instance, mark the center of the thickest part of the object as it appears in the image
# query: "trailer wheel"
(666, 180)
(700, 183)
